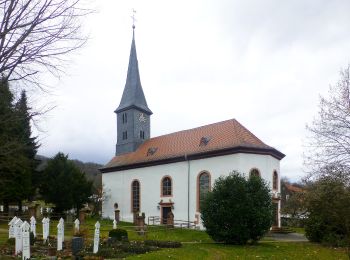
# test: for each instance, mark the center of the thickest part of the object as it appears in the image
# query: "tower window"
(125, 135)
(142, 134)
(125, 118)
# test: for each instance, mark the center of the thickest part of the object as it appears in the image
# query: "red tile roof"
(293, 188)
(225, 137)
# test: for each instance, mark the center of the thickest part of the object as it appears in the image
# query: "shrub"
(163, 244)
(11, 241)
(237, 210)
(328, 206)
(118, 234)
(135, 248)
(108, 252)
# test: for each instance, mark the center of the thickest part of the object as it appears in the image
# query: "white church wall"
(119, 183)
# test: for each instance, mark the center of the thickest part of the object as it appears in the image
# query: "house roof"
(293, 188)
(216, 139)
(133, 96)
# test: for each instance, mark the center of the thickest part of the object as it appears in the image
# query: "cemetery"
(87, 238)
(61, 238)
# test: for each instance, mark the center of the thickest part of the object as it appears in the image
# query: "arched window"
(135, 196)
(275, 180)
(203, 187)
(166, 189)
(254, 172)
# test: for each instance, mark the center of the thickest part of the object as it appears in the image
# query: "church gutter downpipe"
(188, 190)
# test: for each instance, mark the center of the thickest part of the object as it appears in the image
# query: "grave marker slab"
(76, 226)
(12, 227)
(18, 234)
(46, 228)
(33, 225)
(96, 237)
(62, 222)
(59, 236)
(25, 240)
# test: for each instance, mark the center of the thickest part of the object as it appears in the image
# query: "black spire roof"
(133, 95)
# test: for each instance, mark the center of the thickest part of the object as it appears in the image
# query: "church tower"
(133, 114)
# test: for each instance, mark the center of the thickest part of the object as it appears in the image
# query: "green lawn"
(198, 245)
(265, 250)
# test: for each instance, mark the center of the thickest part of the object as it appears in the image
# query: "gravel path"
(290, 237)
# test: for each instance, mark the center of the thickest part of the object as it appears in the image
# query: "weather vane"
(133, 18)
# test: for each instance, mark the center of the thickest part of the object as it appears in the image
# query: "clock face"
(142, 117)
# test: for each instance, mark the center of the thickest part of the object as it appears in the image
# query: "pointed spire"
(133, 95)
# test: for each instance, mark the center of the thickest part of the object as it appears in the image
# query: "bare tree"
(328, 143)
(37, 35)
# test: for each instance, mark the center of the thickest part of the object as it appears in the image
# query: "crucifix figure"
(133, 18)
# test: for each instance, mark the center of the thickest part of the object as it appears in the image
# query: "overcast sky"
(262, 62)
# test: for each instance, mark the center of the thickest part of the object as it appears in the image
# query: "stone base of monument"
(77, 245)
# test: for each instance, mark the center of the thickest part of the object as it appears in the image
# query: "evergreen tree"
(64, 184)
(14, 175)
(30, 145)
(17, 148)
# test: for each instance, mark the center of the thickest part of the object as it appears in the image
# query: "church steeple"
(133, 114)
(133, 95)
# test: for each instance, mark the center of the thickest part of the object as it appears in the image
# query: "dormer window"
(151, 151)
(204, 140)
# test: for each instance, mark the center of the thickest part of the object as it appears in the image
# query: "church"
(170, 173)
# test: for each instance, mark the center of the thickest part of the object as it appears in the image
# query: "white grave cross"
(18, 234)
(25, 240)
(76, 226)
(96, 237)
(33, 225)
(12, 227)
(59, 236)
(114, 224)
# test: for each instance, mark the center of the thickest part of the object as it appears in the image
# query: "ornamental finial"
(133, 18)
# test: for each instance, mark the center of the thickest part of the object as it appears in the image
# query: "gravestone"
(12, 227)
(140, 224)
(43, 221)
(114, 224)
(62, 222)
(59, 236)
(76, 226)
(77, 245)
(18, 234)
(33, 225)
(46, 228)
(170, 219)
(96, 237)
(25, 240)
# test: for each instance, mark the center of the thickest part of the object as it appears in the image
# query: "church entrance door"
(165, 212)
